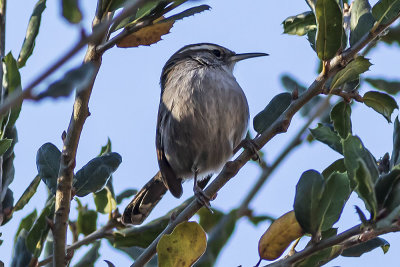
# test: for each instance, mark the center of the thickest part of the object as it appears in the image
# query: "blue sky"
(125, 101)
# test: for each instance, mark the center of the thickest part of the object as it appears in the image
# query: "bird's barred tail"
(144, 201)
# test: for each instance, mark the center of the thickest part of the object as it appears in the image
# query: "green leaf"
(71, 11)
(207, 219)
(354, 151)
(336, 166)
(361, 20)
(12, 85)
(38, 233)
(390, 87)
(395, 158)
(351, 72)
(48, 163)
(90, 257)
(325, 135)
(77, 78)
(365, 188)
(255, 220)
(28, 194)
(309, 191)
(21, 255)
(291, 84)
(358, 250)
(106, 148)
(271, 112)
(322, 256)
(116, 4)
(31, 33)
(392, 36)
(386, 10)
(26, 223)
(125, 194)
(187, 13)
(329, 34)
(95, 174)
(392, 197)
(218, 237)
(299, 24)
(384, 185)
(104, 200)
(87, 219)
(311, 35)
(4, 145)
(337, 191)
(351, 86)
(340, 116)
(381, 103)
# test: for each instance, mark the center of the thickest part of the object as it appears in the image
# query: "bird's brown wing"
(171, 181)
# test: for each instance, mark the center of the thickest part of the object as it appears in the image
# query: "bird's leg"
(248, 144)
(199, 194)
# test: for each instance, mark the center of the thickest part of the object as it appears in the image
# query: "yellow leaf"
(147, 35)
(278, 236)
(183, 247)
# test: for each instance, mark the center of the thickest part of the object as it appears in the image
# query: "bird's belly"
(202, 132)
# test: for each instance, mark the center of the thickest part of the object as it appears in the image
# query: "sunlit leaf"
(278, 236)
(183, 246)
(329, 34)
(28, 194)
(351, 72)
(71, 11)
(26, 223)
(299, 24)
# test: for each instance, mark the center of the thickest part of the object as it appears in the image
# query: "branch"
(349, 238)
(96, 35)
(98, 234)
(281, 125)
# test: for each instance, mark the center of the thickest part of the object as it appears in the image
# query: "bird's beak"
(239, 57)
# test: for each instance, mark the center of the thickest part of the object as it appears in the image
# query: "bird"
(203, 116)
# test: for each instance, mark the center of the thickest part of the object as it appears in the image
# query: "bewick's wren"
(202, 117)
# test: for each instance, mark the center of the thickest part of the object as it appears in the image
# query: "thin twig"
(279, 126)
(96, 235)
(97, 34)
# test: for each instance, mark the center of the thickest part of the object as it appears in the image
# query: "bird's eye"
(217, 53)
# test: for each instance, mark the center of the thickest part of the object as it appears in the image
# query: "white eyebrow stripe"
(199, 47)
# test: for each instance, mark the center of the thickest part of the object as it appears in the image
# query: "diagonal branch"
(279, 126)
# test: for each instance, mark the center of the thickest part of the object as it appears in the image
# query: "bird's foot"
(251, 145)
(201, 197)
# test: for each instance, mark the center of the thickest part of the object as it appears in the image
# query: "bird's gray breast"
(206, 117)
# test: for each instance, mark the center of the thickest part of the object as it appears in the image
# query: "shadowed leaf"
(381, 103)
(31, 33)
(271, 112)
(77, 78)
(4, 145)
(94, 175)
(390, 87)
(336, 166)
(26, 223)
(90, 256)
(87, 219)
(21, 255)
(71, 11)
(48, 163)
(125, 194)
(395, 158)
(361, 20)
(367, 246)
(384, 185)
(327, 136)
